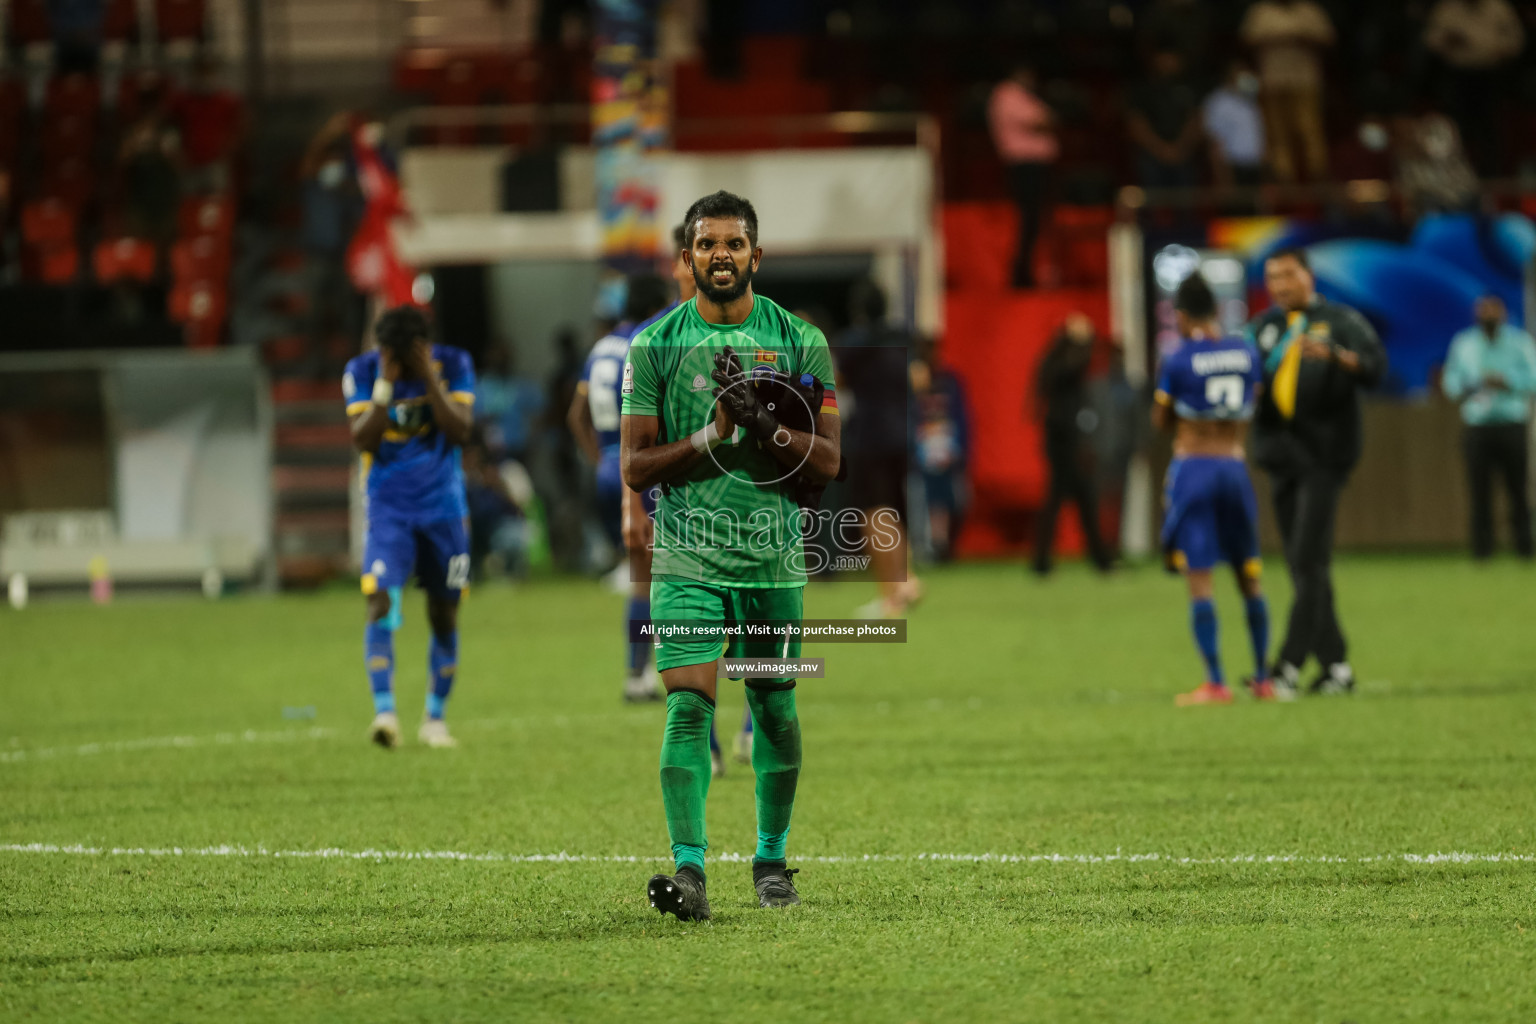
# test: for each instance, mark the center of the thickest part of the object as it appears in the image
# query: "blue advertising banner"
(1416, 284)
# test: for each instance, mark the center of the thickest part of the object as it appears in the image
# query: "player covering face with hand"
(409, 402)
(728, 531)
(1206, 392)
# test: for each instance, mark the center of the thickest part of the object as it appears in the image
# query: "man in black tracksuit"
(1317, 356)
(1061, 386)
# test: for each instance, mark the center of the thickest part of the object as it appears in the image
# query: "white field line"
(289, 736)
(167, 742)
(335, 853)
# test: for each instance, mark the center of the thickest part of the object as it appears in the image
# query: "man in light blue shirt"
(1491, 372)
(1235, 126)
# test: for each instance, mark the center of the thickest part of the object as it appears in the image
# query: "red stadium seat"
(120, 20)
(13, 100)
(203, 258)
(124, 259)
(206, 215)
(201, 310)
(13, 117)
(48, 223)
(58, 264)
(199, 301)
(70, 181)
(462, 85)
(134, 92)
(68, 136)
(179, 19)
(203, 333)
(77, 94)
(29, 22)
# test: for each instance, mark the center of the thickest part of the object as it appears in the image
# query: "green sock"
(776, 760)
(685, 772)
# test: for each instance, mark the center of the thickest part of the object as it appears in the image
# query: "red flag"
(373, 258)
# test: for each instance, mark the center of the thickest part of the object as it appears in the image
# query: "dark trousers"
(1498, 448)
(1068, 480)
(1027, 183)
(1306, 505)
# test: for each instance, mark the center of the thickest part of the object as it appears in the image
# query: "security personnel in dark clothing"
(1061, 385)
(1317, 356)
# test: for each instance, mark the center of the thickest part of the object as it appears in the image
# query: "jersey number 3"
(1225, 392)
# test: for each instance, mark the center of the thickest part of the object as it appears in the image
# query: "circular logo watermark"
(746, 380)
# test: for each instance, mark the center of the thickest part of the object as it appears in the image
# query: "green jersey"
(731, 520)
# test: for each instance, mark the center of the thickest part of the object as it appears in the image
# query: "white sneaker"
(716, 765)
(434, 733)
(643, 687)
(742, 747)
(385, 730)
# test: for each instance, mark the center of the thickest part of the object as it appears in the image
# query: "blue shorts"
(437, 554)
(610, 499)
(1210, 515)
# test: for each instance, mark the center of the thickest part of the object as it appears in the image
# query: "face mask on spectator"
(1373, 136)
(1248, 83)
(331, 173)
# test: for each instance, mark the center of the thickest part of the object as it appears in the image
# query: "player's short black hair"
(1292, 252)
(720, 204)
(398, 329)
(646, 294)
(1195, 299)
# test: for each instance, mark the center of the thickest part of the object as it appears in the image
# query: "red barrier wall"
(993, 340)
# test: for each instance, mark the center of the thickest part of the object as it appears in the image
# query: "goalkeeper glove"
(736, 393)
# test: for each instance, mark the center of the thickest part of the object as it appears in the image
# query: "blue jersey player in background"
(410, 405)
(594, 420)
(1206, 392)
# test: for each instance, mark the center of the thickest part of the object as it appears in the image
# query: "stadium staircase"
(312, 462)
(312, 456)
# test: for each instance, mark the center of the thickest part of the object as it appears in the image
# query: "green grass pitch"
(1022, 718)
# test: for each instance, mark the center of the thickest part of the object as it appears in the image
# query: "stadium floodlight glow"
(423, 289)
(1172, 264)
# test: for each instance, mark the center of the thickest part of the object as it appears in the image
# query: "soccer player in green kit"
(728, 541)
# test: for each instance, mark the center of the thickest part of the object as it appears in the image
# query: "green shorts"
(712, 607)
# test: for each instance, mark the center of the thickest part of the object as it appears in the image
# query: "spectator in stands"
(1432, 168)
(77, 27)
(1235, 127)
(1288, 37)
(149, 161)
(1164, 125)
(212, 123)
(1367, 152)
(1183, 26)
(1024, 132)
(333, 205)
(1476, 41)
(1491, 372)
(1061, 389)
